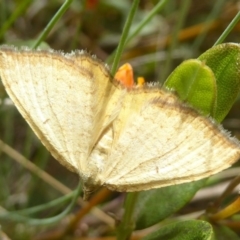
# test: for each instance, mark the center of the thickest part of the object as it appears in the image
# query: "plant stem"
(124, 36)
(127, 225)
(228, 211)
(145, 21)
(142, 24)
(228, 29)
(53, 21)
(47, 221)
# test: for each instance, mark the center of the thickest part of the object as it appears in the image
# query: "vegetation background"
(181, 30)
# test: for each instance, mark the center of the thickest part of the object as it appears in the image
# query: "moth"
(123, 138)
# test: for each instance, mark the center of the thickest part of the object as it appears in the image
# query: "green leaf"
(194, 83)
(210, 83)
(156, 205)
(224, 60)
(187, 230)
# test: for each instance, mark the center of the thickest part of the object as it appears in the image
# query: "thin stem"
(145, 21)
(47, 221)
(48, 178)
(142, 24)
(128, 222)
(99, 197)
(124, 36)
(46, 206)
(231, 25)
(226, 192)
(231, 209)
(52, 22)
(33, 168)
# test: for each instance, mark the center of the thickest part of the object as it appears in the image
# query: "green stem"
(44, 207)
(47, 221)
(145, 21)
(124, 36)
(142, 24)
(53, 21)
(228, 29)
(127, 224)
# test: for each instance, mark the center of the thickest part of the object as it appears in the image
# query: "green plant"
(218, 67)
